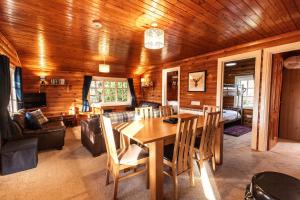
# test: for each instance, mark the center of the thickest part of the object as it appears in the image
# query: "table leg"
(156, 169)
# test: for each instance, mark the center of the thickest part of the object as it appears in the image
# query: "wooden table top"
(151, 130)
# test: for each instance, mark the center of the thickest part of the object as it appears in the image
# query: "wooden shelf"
(66, 85)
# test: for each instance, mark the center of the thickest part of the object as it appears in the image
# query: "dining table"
(155, 133)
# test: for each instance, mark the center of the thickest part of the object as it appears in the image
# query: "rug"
(237, 130)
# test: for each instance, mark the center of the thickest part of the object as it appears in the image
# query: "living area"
(129, 99)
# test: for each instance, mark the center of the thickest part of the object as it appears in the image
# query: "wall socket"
(195, 103)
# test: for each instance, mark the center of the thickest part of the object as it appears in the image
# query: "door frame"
(220, 82)
(266, 87)
(164, 85)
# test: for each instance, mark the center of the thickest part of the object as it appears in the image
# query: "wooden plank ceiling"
(55, 34)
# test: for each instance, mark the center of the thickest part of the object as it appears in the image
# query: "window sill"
(113, 104)
(248, 107)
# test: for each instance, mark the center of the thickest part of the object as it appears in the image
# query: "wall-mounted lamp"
(146, 82)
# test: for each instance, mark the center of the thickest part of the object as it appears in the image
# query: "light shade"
(104, 68)
(154, 38)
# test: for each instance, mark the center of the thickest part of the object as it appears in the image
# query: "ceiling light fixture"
(104, 68)
(97, 24)
(154, 38)
(230, 64)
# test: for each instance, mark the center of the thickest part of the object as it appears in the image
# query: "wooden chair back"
(184, 143)
(109, 138)
(209, 108)
(144, 112)
(165, 111)
(211, 123)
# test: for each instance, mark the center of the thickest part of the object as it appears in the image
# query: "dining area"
(162, 147)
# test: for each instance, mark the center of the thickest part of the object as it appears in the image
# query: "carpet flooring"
(237, 130)
(73, 173)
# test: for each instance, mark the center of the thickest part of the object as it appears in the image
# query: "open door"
(276, 85)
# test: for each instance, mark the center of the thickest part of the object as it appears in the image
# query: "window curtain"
(5, 89)
(19, 86)
(132, 92)
(85, 90)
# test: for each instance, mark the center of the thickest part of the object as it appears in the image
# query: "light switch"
(195, 103)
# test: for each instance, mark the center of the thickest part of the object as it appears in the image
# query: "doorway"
(264, 135)
(285, 95)
(257, 80)
(171, 88)
(238, 99)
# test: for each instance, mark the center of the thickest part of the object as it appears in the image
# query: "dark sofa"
(50, 136)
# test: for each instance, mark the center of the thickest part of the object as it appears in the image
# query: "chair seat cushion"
(132, 155)
(168, 152)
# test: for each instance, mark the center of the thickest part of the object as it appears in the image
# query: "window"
(109, 91)
(12, 106)
(248, 84)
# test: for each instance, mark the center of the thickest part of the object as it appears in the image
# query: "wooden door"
(290, 105)
(276, 85)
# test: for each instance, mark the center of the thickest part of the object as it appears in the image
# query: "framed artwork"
(197, 81)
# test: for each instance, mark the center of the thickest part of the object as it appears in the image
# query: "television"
(34, 100)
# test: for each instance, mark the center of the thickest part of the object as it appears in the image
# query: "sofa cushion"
(48, 127)
(32, 122)
(19, 117)
(39, 116)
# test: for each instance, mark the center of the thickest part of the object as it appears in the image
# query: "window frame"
(116, 103)
(237, 80)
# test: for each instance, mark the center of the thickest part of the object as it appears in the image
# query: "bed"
(233, 115)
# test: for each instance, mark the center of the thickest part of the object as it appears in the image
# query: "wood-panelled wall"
(60, 99)
(208, 97)
(6, 48)
(206, 62)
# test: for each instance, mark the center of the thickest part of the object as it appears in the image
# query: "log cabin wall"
(206, 62)
(208, 97)
(61, 99)
(6, 48)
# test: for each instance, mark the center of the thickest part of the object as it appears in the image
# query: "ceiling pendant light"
(104, 68)
(154, 38)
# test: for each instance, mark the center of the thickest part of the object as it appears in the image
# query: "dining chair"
(178, 157)
(165, 111)
(127, 158)
(205, 144)
(210, 108)
(144, 112)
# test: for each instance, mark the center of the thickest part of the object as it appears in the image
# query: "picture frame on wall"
(197, 81)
